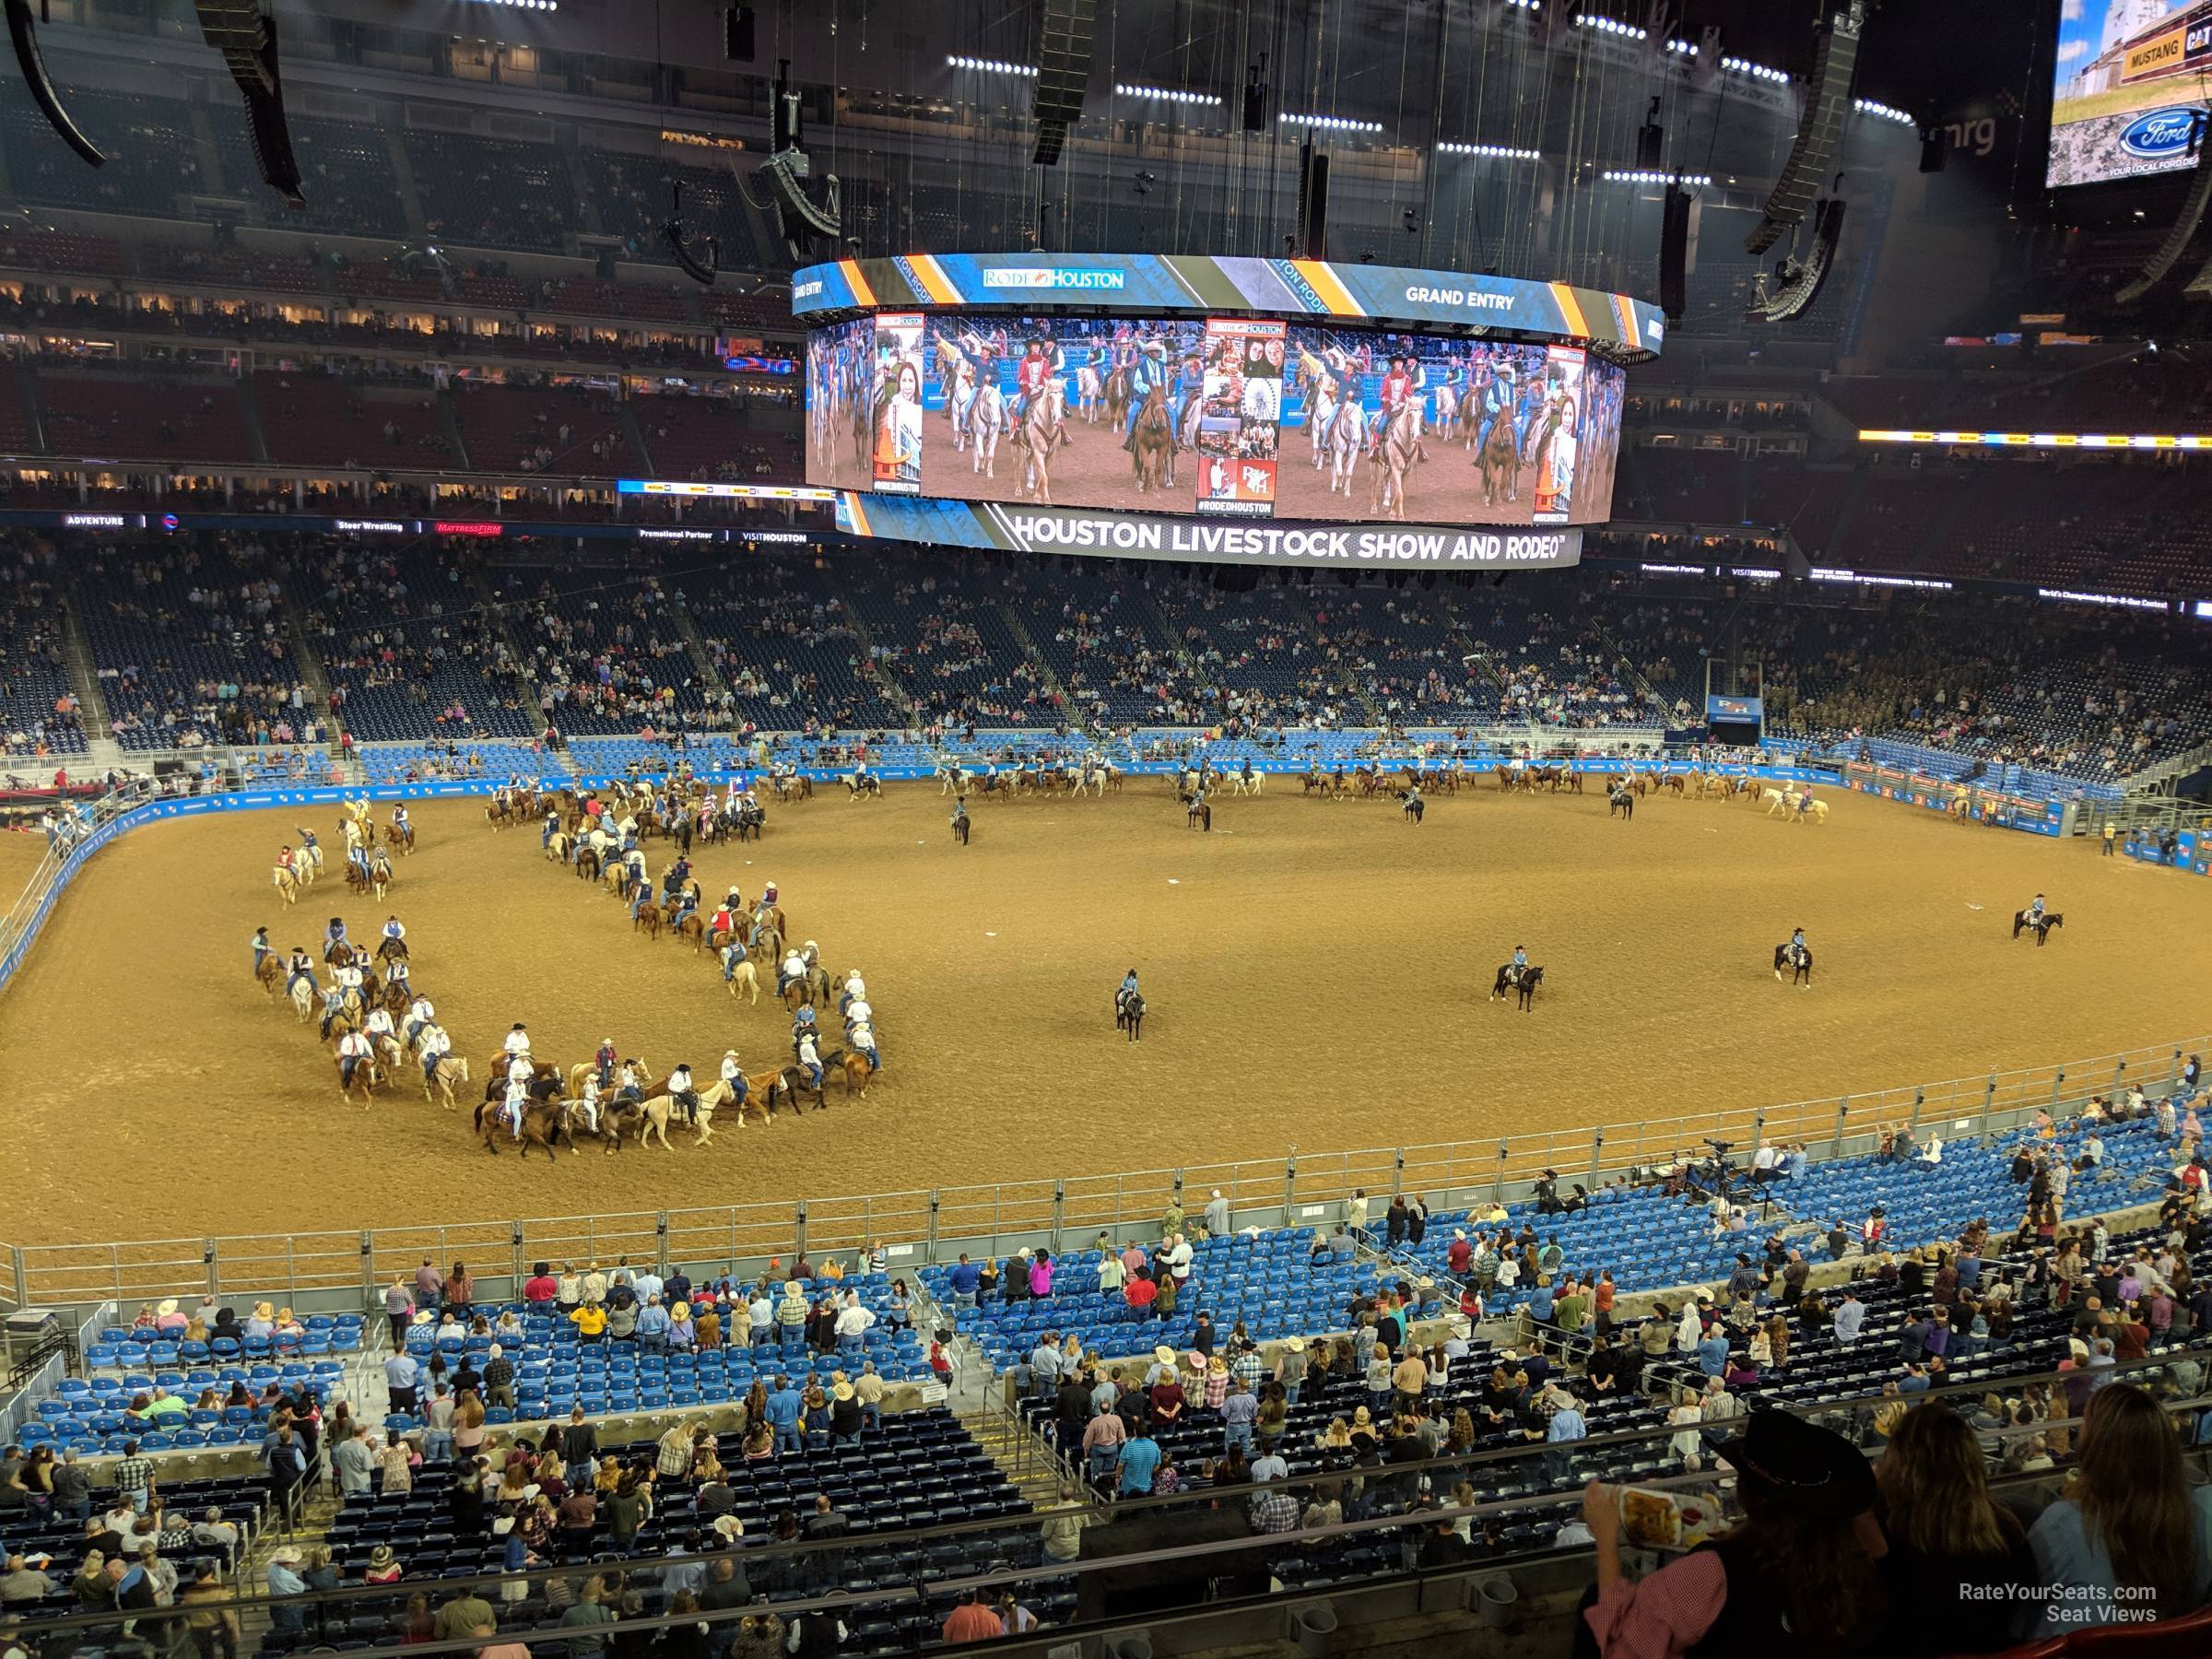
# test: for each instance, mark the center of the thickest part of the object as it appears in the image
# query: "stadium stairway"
(702, 659)
(1020, 632)
(258, 434)
(895, 692)
(496, 616)
(310, 666)
(84, 679)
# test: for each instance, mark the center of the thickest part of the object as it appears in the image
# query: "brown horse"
(1152, 440)
(647, 921)
(694, 928)
(853, 1067)
(1498, 460)
(270, 974)
(544, 1126)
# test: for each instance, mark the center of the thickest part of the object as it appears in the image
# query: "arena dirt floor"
(1318, 974)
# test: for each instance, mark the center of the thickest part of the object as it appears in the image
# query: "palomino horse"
(742, 975)
(1524, 985)
(986, 420)
(1034, 439)
(2043, 929)
(1392, 459)
(1090, 393)
(450, 1070)
(288, 886)
(1799, 960)
(656, 1112)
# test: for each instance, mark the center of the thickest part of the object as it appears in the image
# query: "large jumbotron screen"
(2128, 82)
(1003, 423)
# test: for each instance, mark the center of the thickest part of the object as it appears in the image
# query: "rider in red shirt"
(1030, 377)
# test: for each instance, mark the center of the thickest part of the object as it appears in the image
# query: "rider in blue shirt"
(1797, 941)
(1150, 371)
(1520, 957)
(2035, 911)
(1129, 982)
(335, 936)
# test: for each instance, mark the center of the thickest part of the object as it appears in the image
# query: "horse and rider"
(1129, 1008)
(2038, 917)
(1798, 957)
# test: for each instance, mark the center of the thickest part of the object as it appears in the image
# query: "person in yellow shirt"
(590, 1320)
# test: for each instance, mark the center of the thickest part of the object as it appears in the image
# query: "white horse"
(1090, 393)
(986, 420)
(1344, 449)
(1447, 412)
(1782, 800)
(1321, 420)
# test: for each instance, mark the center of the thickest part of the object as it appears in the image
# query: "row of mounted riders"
(738, 932)
(375, 1023)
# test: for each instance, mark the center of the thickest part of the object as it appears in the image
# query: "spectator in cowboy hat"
(1803, 1567)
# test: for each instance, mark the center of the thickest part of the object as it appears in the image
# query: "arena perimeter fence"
(348, 1269)
(336, 1269)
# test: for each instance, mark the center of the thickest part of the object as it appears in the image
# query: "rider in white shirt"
(421, 1014)
(857, 1014)
(795, 967)
(733, 1075)
(863, 1036)
(518, 1072)
(588, 1105)
(683, 1092)
(378, 1024)
(518, 1101)
(348, 977)
(352, 1048)
(809, 1058)
(518, 1040)
(854, 991)
(433, 1044)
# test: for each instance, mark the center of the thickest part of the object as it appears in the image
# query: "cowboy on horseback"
(1125, 992)
(683, 1093)
(1518, 966)
(517, 1102)
(791, 970)
(862, 1037)
(433, 1045)
(854, 991)
(810, 1059)
(352, 1048)
(300, 967)
(1797, 948)
(603, 1062)
(587, 1104)
(733, 1078)
(803, 1023)
(515, 1046)
(261, 949)
(1148, 374)
(397, 976)
(422, 1016)
(334, 936)
(394, 931)
(2034, 913)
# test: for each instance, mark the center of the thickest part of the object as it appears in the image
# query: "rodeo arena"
(1125, 828)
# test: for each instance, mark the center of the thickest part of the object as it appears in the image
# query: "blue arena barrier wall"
(2192, 851)
(169, 809)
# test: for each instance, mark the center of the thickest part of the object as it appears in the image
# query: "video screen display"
(2127, 84)
(1235, 418)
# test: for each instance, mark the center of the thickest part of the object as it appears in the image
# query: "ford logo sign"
(2159, 134)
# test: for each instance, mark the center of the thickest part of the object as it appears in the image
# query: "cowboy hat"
(1799, 1467)
(1296, 1345)
(380, 1558)
(729, 1526)
(1164, 1353)
(166, 1307)
(843, 1390)
(1361, 1419)
(285, 1556)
